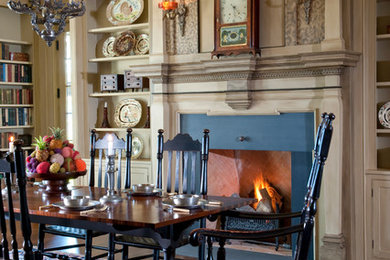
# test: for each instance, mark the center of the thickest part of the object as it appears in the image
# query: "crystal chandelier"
(48, 19)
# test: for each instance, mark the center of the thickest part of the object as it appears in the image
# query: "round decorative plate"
(384, 115)
(108, 47)
(142, 45)
(124, 44)
(136, 147)
(121, 12)
(128, 113)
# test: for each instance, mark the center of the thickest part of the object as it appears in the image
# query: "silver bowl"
(76, 201)
(147, 188)
(185, 200)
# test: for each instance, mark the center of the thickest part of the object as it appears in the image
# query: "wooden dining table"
(144, 216)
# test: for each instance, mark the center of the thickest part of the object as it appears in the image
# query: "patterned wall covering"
(189, 43)
(297, 31)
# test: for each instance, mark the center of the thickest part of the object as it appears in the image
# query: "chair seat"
(150, 242)
(69, 231)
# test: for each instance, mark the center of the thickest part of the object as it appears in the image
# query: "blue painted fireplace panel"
(285, 132)
(292, 132)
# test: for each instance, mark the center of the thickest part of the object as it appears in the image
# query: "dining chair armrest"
(253, 215)
(197, 236)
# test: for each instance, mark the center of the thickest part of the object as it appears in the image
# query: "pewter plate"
(91, 205)
(155, 192)
(169, 202)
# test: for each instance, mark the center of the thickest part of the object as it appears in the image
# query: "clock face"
(233, 11)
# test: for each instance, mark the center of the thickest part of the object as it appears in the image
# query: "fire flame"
(259, 183)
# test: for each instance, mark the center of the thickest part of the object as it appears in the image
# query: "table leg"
(111, 247)
(169, 253)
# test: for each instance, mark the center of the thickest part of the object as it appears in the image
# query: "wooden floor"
(55, 241)
(266, 252)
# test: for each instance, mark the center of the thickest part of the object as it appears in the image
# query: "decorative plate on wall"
(384, 115)
(121, 12)
(128, 113)
(137, 147)
(124, 43)
(108, 47)
(142, 45)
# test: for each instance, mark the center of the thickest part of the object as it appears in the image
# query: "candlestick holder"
(110, 197)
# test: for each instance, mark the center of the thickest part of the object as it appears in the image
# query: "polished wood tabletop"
(132, 211)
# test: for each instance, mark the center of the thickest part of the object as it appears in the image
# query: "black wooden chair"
(7, 168)
(304, 228)
(99, 146)
(185, 180)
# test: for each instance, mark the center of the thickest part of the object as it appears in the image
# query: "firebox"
(265, 175)
(245, 147)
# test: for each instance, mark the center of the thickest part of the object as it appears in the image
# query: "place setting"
(185, 203)
(143, 190)
(81, 204)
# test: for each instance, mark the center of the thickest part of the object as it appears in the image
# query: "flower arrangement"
(52, 155)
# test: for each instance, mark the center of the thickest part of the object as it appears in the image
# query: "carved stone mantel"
(250, 68)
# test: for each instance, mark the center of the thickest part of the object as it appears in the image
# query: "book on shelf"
(21, 116)
(15, 73)
(16, 96)
(4, 51)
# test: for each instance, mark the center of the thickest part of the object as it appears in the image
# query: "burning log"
(276, 198)
(265, 204)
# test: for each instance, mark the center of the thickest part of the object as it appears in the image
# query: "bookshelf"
(16, 92)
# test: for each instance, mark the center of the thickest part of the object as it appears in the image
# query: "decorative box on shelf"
(132, 81)
(111, 82)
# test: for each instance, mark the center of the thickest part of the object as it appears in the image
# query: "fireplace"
(242, 148)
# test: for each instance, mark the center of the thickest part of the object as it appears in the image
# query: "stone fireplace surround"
(308, 82)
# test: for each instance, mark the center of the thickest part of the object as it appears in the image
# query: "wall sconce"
(48, 18)
(172, 9)
(307, 7)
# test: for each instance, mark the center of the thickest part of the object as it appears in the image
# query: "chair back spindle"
(160, 146)
(92, 157)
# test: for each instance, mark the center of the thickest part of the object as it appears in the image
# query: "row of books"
(16, 96)
(21, 116)
(5, 138)
(15, 73)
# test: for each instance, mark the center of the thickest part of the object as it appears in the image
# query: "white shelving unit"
(100, 29)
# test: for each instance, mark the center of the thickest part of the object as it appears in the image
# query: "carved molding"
(239, 95)
(250, 68)
(333, 248)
